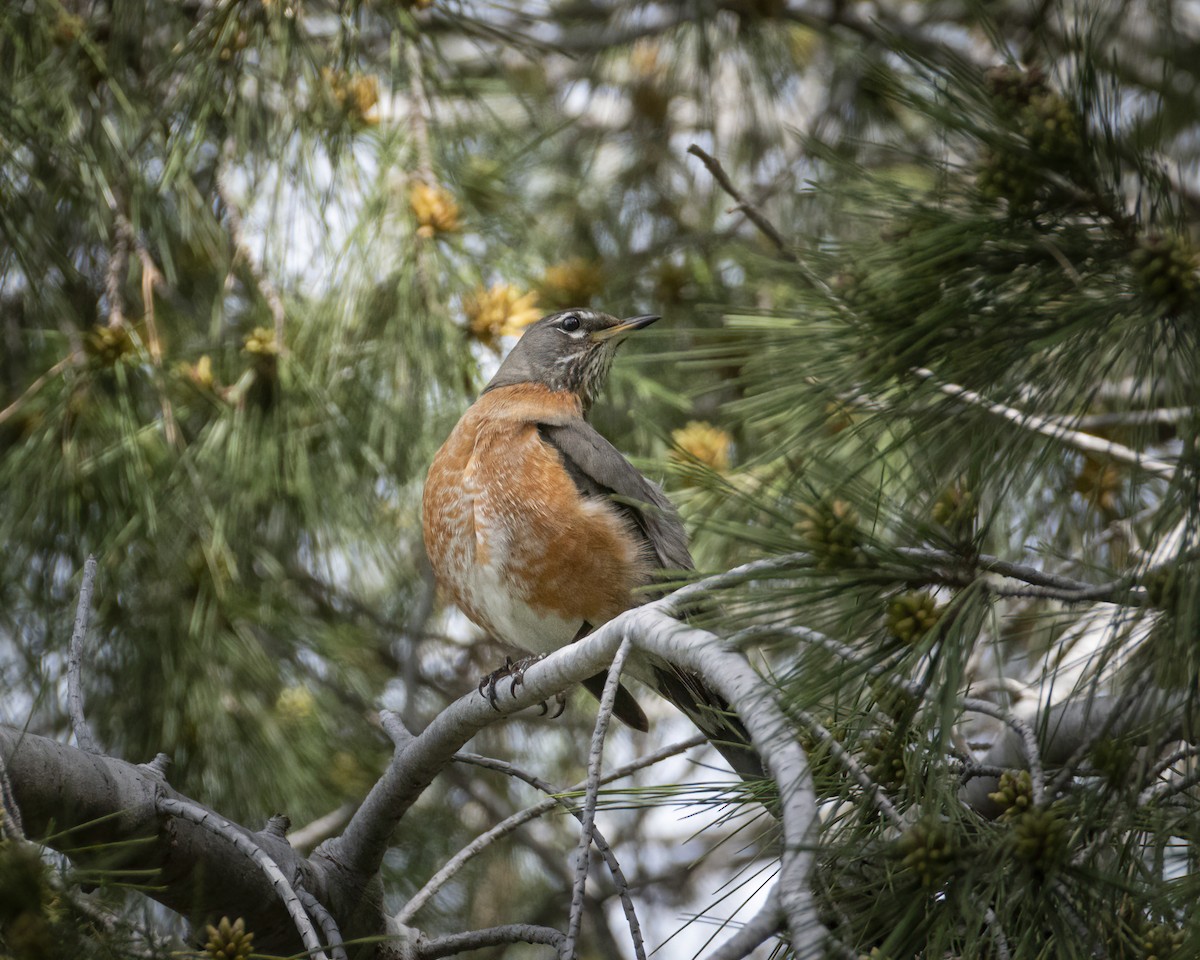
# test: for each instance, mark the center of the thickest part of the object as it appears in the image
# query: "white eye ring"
(570, 323)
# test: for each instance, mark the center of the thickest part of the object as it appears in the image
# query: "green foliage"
(255, 257)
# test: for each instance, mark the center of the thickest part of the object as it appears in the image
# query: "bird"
(540, 530)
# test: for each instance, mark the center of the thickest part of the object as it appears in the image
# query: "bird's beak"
(626, 326)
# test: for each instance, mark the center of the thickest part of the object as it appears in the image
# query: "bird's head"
(569, 350)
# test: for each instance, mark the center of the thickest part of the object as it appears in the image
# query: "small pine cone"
(108, 345)
(928, 848)
(1041, 838)
(1008, 175)
(830, 529)
(1161, 942)
(1166, 265)
(955, 509)
(912, 615)
(229, 941)
(1013, 89)
(1015, 793)
(1115, 760)
(1053, 128)
(884, 758)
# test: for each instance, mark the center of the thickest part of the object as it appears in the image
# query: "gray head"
(570, 350)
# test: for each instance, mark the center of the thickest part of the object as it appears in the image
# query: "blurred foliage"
(256, 256)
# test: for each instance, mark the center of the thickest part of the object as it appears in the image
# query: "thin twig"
(1161, 791)
(151, 276)
(207, 820)
(1033, 755)
(999, 940)
(1040, 583)
(763, 924)
(41, 381)
(507, 826)
(592, 793)
(870, 786)
(620, 883)
(491, 937)
(79, 724)
(242, 252)
(316, 909)
(1054, 429)
(114, 276)
(755, 216)
(1169, 761)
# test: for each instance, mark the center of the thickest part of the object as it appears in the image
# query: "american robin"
(540, 530)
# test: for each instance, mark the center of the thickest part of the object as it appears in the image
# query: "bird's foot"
(514, 669)
(560, 702)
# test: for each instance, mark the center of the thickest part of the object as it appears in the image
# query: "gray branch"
(105, 813)
(591, 795)
(242, 842)
(83, 733)
(1066, 727)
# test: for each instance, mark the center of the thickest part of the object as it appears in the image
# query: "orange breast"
(509, 536)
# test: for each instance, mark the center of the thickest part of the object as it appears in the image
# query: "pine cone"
(1053, 129)
(1161, 942)
(1015, 793)
(1013, 89)
(929, 849)
(912, 615)
(1166, 267)
(229, 941)
(830, 529)
(1041, 838)
(1010, 176)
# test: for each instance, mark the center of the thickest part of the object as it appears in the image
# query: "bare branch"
(1054, 429)
(762, 925)
(225, 829)
(32, 390)
(587, 823)
(1033, 755)
(316, 909)
(103, 812)
(79, 724)
(493, 936)
(756, 216)
(774, 740)
(505, 827)
(602, 845)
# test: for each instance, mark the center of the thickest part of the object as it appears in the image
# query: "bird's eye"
(570, 323)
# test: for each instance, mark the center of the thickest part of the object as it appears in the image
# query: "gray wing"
(598, 469)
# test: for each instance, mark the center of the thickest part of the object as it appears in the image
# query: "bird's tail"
(711, 714)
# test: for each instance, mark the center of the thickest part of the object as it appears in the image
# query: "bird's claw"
(560, 699)
(512, 668)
